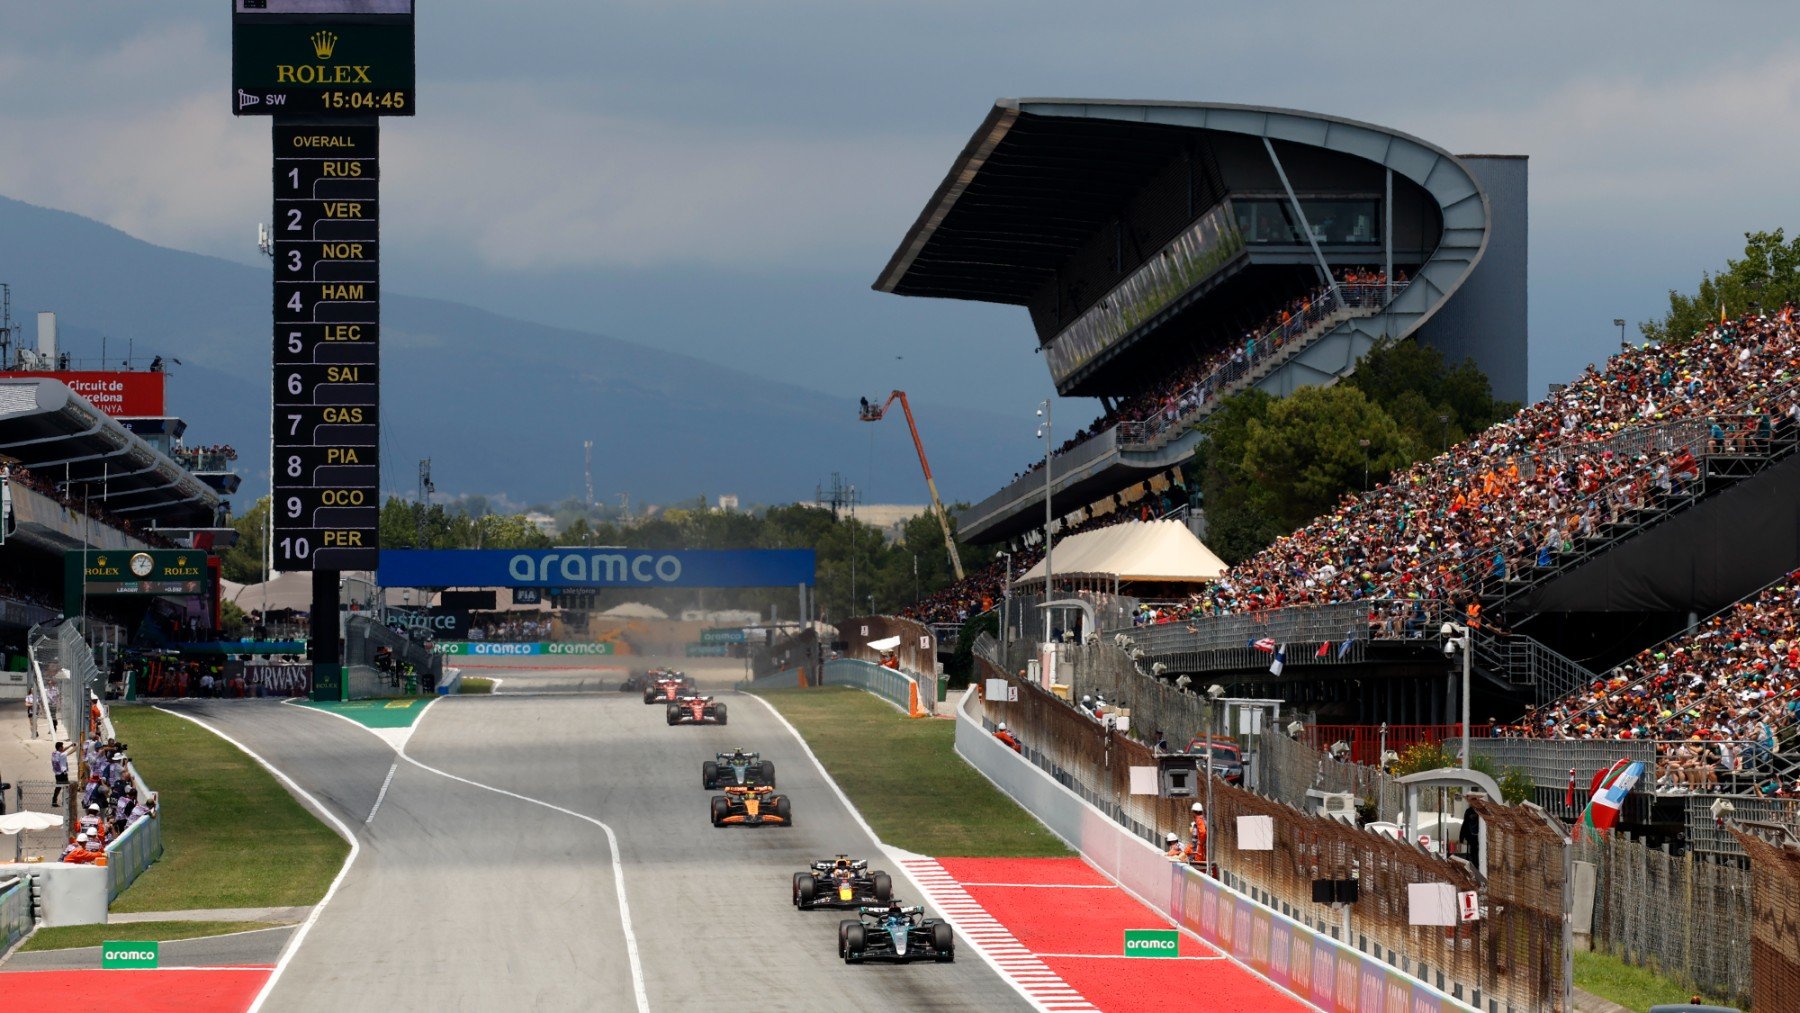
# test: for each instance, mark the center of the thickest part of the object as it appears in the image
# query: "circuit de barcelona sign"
(578, 567)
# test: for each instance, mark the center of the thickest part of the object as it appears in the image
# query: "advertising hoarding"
(121, 395)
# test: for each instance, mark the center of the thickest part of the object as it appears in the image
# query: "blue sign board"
(572, 568)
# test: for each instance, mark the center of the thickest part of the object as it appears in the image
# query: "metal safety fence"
(1681, 915)
(1775, 921)
(1708, 834)
(1344, 630)
(1547, 763)
(916, 653)
(1291, 768)
(127, 857)
(1493, 963)
(896, 688)
(15, 911)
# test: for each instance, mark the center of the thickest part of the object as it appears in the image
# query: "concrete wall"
(1331, 976)
(1486, 319)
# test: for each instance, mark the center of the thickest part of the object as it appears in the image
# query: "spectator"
(31, 710)
(59, 771)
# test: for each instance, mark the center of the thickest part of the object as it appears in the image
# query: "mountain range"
(500, 405)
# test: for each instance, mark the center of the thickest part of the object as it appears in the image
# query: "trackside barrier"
(131, 854)
(897, 688)
(1326, 973)
(15, 911)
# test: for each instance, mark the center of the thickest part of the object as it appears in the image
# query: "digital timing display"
(317, 57)
(327, 481)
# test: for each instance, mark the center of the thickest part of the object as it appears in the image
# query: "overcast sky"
(726, 178)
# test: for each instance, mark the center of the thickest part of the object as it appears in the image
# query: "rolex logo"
(323, 44)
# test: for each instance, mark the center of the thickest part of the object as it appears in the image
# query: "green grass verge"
(476, 685)
(1633, 987)
(69, 937)
(232, 835)
(907, 781)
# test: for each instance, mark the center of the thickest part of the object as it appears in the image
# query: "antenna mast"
(587, 470)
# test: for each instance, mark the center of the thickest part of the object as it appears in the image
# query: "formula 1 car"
(737, 767)
(667, 686)
(841, 882)
(751, 807)
(895, 934)
(696, 710)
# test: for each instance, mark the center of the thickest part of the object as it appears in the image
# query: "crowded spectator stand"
(1186, 388)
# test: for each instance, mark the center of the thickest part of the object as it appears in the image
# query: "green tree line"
(856, 562)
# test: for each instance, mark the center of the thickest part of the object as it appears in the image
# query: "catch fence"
(1290, 768)
(1708, 834)
(1492, 963)
(1681, 915)
(15, 911)
(1775, 921)
(916, 652)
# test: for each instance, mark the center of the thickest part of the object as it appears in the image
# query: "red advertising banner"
(121, 395)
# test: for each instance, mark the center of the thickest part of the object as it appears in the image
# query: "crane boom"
(870, 413)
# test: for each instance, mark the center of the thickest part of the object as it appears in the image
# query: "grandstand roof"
(1162, 551)
(1041, 175)
(57, 434)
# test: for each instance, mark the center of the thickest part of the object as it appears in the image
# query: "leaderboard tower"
(325, 71)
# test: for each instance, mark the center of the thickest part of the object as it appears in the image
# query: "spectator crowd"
(1714, 698)
(1529, 488)
(1180, 391)
(12, 471)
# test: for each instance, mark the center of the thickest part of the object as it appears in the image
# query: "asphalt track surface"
(465, 899)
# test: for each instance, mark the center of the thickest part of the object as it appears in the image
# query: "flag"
(1344, 648)
(1614, 784)
(1324, 649)
(1266, 644)
(1569, 796)
(1280, 661)
(1721, 309)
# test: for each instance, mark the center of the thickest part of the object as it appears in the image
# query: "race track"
(464, 898)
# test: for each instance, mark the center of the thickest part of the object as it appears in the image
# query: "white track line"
(612, 842)
(904, 859)
(299, 936)
(389, 779)
(1021, 966)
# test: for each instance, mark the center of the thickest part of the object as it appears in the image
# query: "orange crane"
(871, 413)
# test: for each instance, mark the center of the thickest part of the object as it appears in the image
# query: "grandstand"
(103, 474)
(1170, 254)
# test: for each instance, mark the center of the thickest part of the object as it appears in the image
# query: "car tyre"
(720, 809)
(719, 712)
(856, 939)
(768, 773)
(709, 774)
(883, 886)
(804, 889)
(785, 810)
(944, 942)
(674, 715)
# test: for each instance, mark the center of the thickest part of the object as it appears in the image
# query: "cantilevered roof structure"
(59, 437)
(1142, 235)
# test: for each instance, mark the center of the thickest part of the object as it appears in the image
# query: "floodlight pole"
(1049, 570)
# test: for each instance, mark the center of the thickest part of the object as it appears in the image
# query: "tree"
(1411, 382)
(243, 562)
(1234, 529)
(1310, 450)
(1767, 276)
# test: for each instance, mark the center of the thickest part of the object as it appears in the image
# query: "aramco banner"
(576, 567)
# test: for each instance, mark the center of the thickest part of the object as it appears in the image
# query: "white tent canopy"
(1134, 551)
